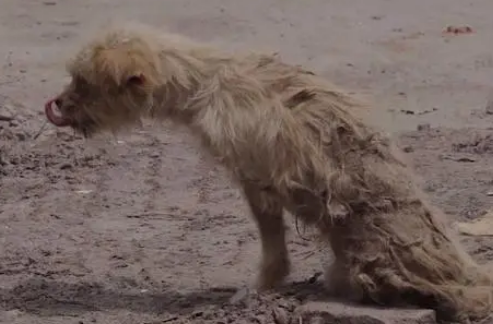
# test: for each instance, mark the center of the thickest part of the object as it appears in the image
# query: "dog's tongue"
(53, 118)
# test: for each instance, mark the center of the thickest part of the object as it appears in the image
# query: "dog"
(293, 142)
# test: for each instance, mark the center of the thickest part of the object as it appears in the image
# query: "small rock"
(8, 110)
(83, 192)
(66, 166)
(407, 112)
(13, 123)
(490, 193)
(466, 159)
(313, 279)
(240, 296)
(280, 316)
(424, 127)
(337, 312)
(21, 136)
(458, 158)
(289, 307)
(489, 106)
(408, 149)
(456, 30)
(197, 314)
(424, 112)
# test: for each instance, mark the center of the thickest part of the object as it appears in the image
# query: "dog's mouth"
(57, 120)
(85, 127)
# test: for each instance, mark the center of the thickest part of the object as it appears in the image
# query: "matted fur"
(293, 142)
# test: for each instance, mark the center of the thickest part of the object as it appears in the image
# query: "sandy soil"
(143, 229)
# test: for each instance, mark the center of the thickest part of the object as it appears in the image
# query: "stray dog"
(293, 142)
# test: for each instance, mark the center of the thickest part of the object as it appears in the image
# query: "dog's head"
(113, 79)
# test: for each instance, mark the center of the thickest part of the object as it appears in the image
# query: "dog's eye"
(82, 87)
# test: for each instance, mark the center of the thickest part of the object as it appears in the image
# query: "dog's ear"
(137, 79)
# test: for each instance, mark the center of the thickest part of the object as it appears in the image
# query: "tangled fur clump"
(293, 142)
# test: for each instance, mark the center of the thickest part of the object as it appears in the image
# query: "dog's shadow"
(50, 297)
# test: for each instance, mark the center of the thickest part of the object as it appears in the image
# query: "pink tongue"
(53, 118)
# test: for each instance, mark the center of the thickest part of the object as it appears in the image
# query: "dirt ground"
(142, 228)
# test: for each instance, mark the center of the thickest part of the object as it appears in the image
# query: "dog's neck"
(183, 73)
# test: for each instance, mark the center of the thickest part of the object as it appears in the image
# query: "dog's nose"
(58, 102)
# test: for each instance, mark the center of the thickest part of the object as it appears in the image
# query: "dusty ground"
(141, 229)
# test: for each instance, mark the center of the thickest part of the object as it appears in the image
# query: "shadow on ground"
(51, 297)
